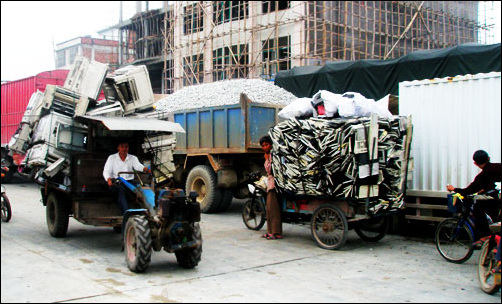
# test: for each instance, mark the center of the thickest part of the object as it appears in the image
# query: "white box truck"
(452, 118)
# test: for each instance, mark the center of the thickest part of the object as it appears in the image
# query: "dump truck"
(221, 145)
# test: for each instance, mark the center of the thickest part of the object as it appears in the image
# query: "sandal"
(266, 235)
(274, 237)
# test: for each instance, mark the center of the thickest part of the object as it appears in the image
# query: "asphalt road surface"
(237, 265)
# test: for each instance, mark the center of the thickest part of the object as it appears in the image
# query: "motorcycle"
(6, 209)
(254, 211)
(489, 278)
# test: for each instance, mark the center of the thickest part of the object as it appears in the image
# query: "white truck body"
(452, 118)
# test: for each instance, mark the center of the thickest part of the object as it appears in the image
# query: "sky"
(30, 30)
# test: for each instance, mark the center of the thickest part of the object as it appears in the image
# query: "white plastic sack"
(298, 108)
(382, 107)
(331, 102)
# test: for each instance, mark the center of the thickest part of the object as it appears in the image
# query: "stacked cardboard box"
(362, 159)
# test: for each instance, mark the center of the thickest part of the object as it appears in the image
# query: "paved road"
(237, 265)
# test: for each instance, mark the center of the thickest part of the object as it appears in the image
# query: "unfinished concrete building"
(191, 42)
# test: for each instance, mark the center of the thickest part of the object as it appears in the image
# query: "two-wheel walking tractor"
(159, 217)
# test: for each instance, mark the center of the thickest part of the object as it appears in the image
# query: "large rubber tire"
(329, 227)
(57, 215)
(254, 214)
(202, 179)
(190, 257)
(226, 199)
(373, 229)
(487, 262)
(137, 243)
(454, 245)
(6, 210)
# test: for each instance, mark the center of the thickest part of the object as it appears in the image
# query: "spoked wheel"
(329, 227)
(190, 257)
(373, 229)
(254, 214)
(487, 262)
(137, 243)
(454, 241)
(6, 210)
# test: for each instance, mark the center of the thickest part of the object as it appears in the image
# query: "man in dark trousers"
(483, 183)
(121, 161)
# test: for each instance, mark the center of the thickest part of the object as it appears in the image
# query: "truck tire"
(137, 243)
(57, 215)
(227, 197)
(202, 179)
(190, 257)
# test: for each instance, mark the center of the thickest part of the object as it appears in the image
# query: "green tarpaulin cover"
(377, 78)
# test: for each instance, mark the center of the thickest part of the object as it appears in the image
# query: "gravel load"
(224, 92)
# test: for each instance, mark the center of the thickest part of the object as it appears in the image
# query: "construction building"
(101, 50)
(191, 42)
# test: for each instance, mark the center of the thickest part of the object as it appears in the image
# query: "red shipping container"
(16, 95)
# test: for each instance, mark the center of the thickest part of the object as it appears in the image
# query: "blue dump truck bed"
(233, 128)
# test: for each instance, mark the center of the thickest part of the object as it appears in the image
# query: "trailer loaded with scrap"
(341, 173)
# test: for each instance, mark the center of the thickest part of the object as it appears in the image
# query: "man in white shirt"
(121, 162)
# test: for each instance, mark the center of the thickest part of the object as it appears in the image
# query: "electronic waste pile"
(50, 131)
(342, 155)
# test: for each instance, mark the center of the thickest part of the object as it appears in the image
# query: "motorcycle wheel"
(487, 262)
(6, 210)
(254, 214)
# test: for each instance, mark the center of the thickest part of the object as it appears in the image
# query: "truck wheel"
(202, 179)
(137, 243)
(57, 215)
(227, 197)
(190, 257)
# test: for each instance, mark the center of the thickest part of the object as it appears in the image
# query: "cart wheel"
(329, 227)
(137, 243)
(373, 229)
(254, 214)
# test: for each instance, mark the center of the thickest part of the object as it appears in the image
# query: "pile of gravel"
(224, 92)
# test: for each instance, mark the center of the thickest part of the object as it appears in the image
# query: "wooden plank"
(426, 206)
(424, 218)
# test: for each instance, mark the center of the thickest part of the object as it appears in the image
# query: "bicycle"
(6, 209)
(489, 280)
(455, 236)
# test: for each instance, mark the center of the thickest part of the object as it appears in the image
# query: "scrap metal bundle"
(357, 158)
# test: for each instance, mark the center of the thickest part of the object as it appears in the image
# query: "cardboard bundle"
(360, 158)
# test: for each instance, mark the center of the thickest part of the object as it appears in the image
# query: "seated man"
(121, 162)
(482, 183)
